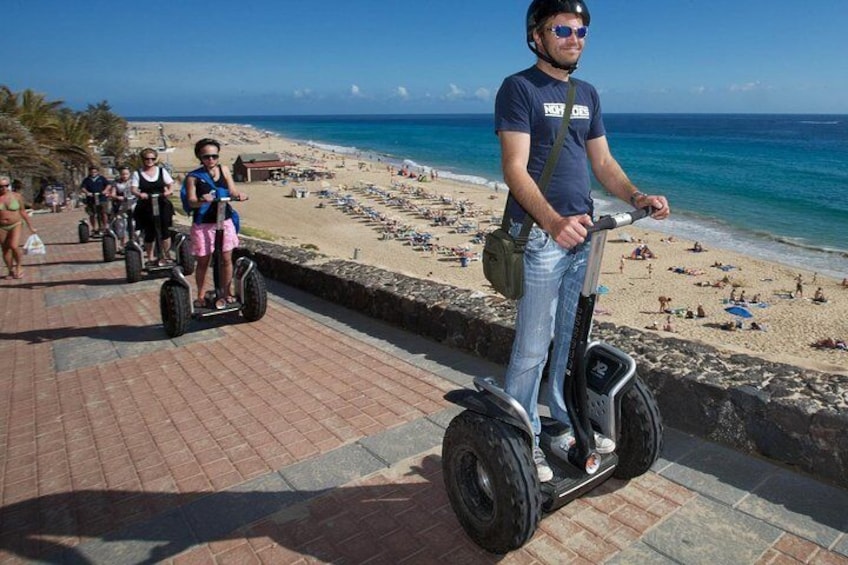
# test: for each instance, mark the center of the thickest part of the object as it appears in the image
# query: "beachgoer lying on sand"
(758, 327)
(830, 343)
(653, 326)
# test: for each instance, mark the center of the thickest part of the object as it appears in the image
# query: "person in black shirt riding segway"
(150, 180)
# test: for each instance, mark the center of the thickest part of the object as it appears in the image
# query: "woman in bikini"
(12, 215)
(203, 226)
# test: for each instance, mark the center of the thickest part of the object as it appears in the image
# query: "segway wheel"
(184, 257)
(175, 308)
(491, 481)
(255, 299)
(110, 248)
(640, 436)
(84, 232)
(132, 260)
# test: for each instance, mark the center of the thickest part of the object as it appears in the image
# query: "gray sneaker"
(542, 468)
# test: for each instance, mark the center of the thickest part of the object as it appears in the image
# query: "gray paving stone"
(443, 418)
(404, 441)
(640, 554)
(77, 352)
(704, 531)
(719, 472)
(841, 546)
(331, 470)
(213, 517)
(800, 505)
(147, 542)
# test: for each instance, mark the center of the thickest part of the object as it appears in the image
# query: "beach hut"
(259, 167)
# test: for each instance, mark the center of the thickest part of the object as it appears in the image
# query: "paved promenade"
(310, 436)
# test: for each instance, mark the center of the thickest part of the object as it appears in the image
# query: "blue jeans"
(553, 277)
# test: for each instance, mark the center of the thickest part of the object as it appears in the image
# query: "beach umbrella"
(740, 311)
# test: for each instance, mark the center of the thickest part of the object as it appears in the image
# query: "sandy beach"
(383, 207)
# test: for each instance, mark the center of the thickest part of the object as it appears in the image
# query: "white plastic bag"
(34, 246)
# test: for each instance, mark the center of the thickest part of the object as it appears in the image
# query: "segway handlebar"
(619, 219)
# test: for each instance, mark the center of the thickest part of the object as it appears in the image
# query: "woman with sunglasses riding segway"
(208, 191)
(503, 463)
(153, 217)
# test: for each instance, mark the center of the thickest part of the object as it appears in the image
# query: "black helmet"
(540, 10)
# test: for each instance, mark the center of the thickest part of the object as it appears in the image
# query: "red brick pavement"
(103, 446)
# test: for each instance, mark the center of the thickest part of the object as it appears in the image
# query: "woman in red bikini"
(12, 215)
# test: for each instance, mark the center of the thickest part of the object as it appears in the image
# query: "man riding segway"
(502, 462)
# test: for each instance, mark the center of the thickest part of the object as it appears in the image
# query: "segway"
(134, 251)
(487, 461)
(175, 300)
(115, 230)
(84, 230)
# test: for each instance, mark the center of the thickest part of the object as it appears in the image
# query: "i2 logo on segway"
(599, 371)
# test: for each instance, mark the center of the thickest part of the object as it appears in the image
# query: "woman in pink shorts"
(202, 185)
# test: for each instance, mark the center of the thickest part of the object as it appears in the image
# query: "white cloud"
(699, 90)
(454, 92)
(402, 92)
(747, 87)
(482, 94)
(302, 93)
(354, 91)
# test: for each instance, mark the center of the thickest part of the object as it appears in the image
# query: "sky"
(303, 57)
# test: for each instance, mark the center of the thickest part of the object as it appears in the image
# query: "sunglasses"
(148, 158)
(4, 186)
(564, 32)
(209, 156)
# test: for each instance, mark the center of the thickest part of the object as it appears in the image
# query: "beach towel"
(201, 174)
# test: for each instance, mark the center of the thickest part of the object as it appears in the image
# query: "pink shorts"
(203, 238)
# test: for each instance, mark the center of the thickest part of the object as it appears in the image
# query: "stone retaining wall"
(787, 414)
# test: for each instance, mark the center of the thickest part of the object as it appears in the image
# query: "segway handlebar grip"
(619, 219)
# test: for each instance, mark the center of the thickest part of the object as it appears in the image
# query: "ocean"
(773, 187)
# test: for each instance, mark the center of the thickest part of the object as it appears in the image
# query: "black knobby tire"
(184, 257)
(132, 260)
(255, 299)
(640, 435)
(84, 233)
(491, 481)
(175, 308)
(110, 248)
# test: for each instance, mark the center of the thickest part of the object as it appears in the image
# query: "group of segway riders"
(504, 464)
(133, 215)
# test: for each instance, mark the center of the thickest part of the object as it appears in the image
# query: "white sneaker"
(603, 444)
(542, 468)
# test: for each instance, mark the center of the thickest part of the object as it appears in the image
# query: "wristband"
(635, 196)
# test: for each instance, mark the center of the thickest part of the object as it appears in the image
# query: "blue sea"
(771, 186)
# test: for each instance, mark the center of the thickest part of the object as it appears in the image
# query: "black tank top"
(151, 187)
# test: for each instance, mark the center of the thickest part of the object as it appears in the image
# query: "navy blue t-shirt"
(533, 102)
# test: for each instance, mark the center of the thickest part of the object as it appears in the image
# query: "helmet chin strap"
(550, 60)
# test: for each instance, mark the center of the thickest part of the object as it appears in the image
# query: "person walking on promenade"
(528, 113)
(12, 215)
